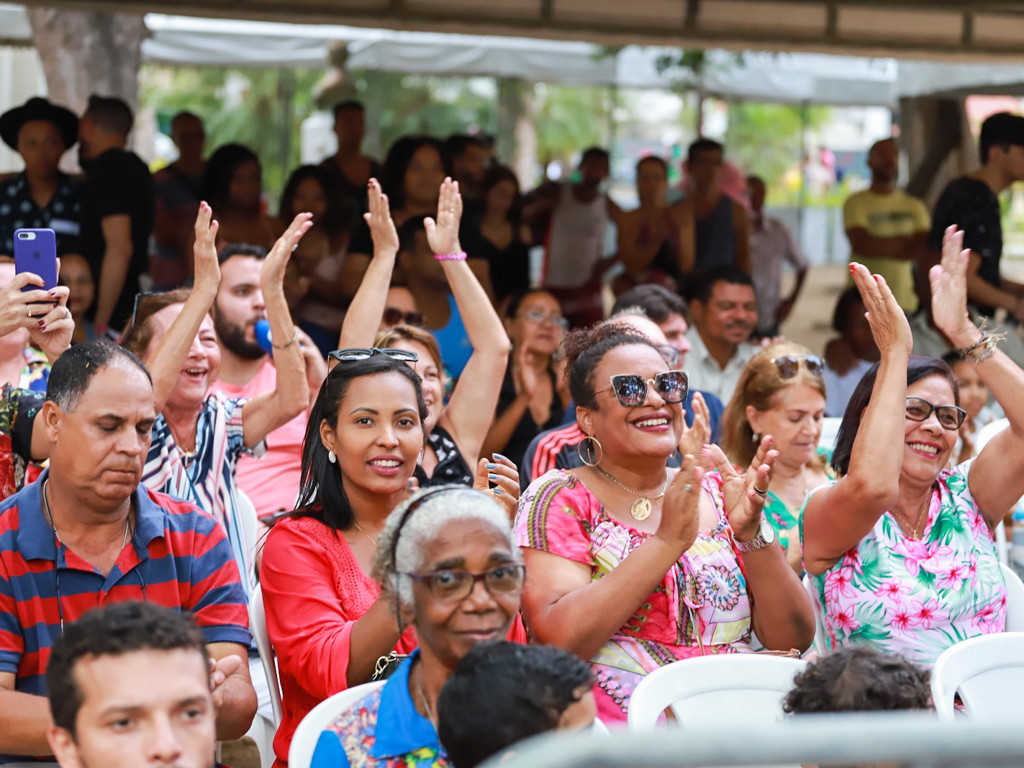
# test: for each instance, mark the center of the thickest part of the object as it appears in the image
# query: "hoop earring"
(331, 457)
(594, 449)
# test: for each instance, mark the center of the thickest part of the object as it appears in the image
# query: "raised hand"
(504, 473)
(272, 273)
(696, 435)
(524, 372)
(52, 331)
(949, 290)
(204, 251)
(680, 518)
(742, 493)
(889, 326)
(443, 233)
(378, 219)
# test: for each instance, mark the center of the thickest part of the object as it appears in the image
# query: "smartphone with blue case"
(35, 251)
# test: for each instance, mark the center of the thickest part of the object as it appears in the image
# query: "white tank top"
(576, 240)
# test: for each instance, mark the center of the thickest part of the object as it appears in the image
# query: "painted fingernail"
(52, 291)
(497, 491)
(492, 476)
(853, 268)
(491, 466)
(499, 457)
(42, 324)
(877, 278)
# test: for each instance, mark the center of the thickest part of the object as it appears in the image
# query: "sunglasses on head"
(669, 353)
(353, 354)
(630, 389)
(789, 365)
(395, 316)
(949, 416)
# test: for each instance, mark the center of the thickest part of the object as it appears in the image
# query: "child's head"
(502, 692)
(973, 392)
(859, 680)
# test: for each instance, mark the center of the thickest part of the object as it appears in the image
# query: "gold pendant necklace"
(640, 509)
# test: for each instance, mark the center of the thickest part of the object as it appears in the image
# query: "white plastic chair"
(300, 753)
(987, 672)
(987, 432)
(1014, 600)
(711, 690)
(262, 731)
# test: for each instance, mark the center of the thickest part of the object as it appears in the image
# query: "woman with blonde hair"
(781, 393)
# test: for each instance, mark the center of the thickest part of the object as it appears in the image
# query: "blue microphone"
(263, 337)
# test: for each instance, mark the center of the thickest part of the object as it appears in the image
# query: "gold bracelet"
(294, 340)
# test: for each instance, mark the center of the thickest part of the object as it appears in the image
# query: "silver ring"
(759, 492)
(67, 312)
(688, 487)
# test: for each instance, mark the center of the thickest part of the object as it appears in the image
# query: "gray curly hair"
(415, 521)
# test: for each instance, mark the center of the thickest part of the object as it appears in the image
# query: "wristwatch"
(764, 538)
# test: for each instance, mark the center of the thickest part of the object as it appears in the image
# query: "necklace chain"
(53, 527)
(902, 518)
(640, 509)
(423, 699)
(369, 538)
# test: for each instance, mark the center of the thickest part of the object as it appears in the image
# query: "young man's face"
(139, 710)
(730, 315)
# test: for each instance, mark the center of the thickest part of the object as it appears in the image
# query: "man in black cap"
(972, 203)
(117, 209)
(40, 196)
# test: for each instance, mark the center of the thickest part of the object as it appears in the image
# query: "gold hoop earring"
(594, 448)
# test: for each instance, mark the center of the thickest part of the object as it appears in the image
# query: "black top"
(509, 266)
(118, 182)
(974, 207)
(356, 193)
(527, 428)
(451, 465)
(19, 211)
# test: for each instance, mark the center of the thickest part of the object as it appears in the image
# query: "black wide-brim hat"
(38, 108)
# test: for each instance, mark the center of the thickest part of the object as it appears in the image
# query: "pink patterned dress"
(700, 607)
(917, 597)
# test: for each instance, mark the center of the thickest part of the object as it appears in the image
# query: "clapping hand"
(504, 473)
(696, 435)
(204, 251)
(949, 290)
(378, 219)
(743, 494)
(443, 234)
(680, 510)
(889, 326)
(272, 273)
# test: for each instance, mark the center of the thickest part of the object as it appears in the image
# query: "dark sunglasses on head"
(669, 353)
(949, 416)
(789, 365)
(352, 354)
(395, 316)
(631, 388)
(141, 297)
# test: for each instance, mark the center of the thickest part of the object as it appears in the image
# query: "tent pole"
(804, 153)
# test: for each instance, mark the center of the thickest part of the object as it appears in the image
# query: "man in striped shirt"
(87, 534)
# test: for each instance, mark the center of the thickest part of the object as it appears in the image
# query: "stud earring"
(331, 457)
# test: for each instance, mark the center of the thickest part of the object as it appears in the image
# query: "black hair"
(703, 145)
(113, 630)
(247, 250)
(704, 285)
(350, 105)
(517, 299)
(501, 693)
(657, 302)
(648, 159)
(339, 216)
(595, 152)
(585, 348)
(392, 178)
(1002, 129)
(407, 233)
(321, 493)
(111, 114)
(75, 368)
(918, 367)
(456, 145)
(859, 679)
(220, 169)
(184, 115)
(847, 300)
(496, 174)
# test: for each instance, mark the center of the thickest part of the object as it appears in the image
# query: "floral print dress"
(917, 597)
(700, 607)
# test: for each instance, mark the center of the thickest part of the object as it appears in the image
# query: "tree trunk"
(517, 133)
(85, 52)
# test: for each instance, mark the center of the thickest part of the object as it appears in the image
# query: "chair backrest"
(258, 627)
(988, 673)
(715, 689)
(300, 753)
(1014, 599)
(829, 432)
(819, 628)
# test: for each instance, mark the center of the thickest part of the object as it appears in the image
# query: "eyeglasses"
(141, 297)
(539, 317)
(395, 316)
(458, 585)
(949, 416)
(631, 388)
(789, 365)
(669, 353)
(353, 354)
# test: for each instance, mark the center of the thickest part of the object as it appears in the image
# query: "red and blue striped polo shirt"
(178, 557)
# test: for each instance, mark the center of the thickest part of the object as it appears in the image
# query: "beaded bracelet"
(460, 256)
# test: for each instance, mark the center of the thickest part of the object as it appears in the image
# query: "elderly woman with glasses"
(449, 568)
(632, 565)
(327, 619)
(900, 549)
(781, 393)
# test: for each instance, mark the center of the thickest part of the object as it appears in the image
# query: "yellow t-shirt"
(894, 215)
